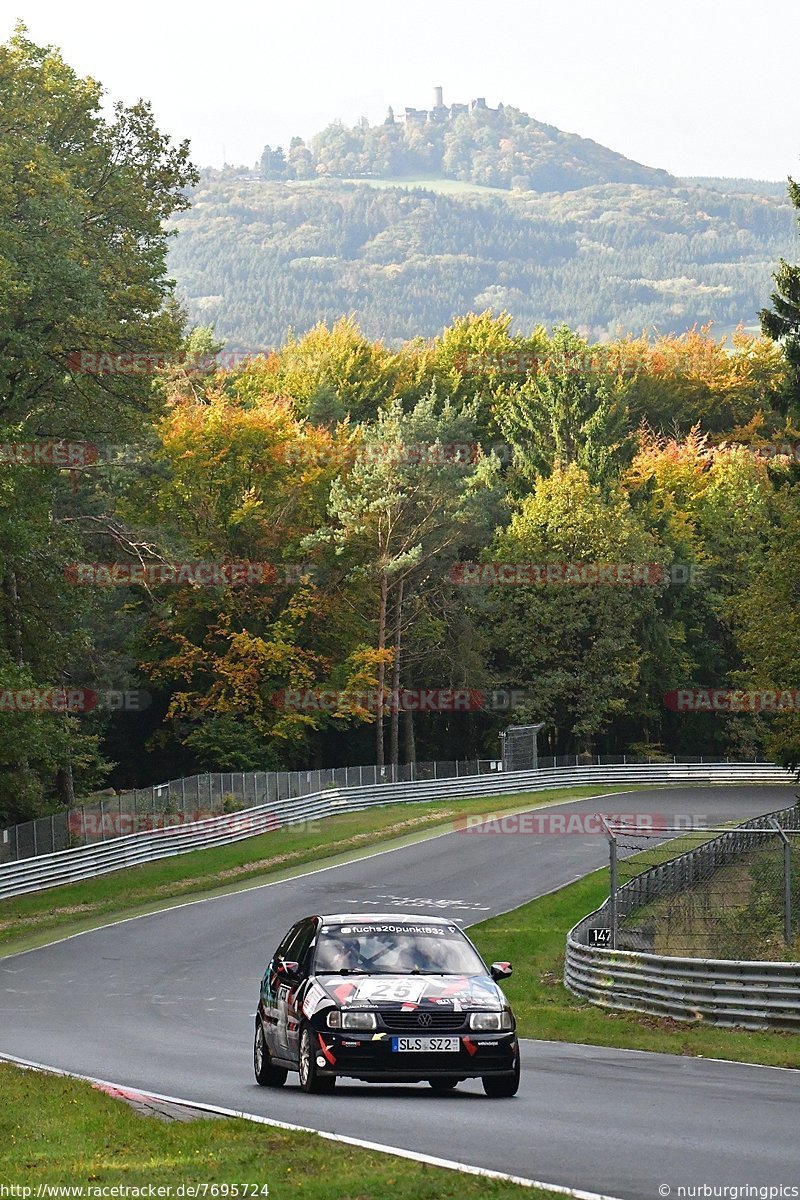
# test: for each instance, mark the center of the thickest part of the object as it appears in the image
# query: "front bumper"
(370, 1057)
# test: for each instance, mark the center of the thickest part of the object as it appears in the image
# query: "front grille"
(423, 1020)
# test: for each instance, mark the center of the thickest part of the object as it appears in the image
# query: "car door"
(288, 990)
(301, 953)
(271, 994)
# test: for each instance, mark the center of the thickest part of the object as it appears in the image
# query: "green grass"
(64, 1132)
(737, 913)
(33, 920)
(447, 187)
(533, 938)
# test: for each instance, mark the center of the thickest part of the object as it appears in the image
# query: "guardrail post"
(787, 882)
(612, 880)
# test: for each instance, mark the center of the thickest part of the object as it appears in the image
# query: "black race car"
(385, 999)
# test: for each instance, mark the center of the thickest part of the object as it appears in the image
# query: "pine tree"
(782, 321)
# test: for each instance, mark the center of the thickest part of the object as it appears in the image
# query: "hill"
(259, 257)
(502, 147)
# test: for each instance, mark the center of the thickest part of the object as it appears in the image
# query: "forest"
(258, 259)
(344, 547)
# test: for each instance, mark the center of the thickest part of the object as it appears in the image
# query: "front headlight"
(490, 1022)
(351, 1020)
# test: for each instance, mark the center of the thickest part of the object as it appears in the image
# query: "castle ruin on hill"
(440, 111)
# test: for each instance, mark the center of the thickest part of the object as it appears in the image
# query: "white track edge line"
(687, 1058)
(360, 1143)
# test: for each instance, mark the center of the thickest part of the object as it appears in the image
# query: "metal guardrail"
(196, 797)
(86, 862)
(725, 992)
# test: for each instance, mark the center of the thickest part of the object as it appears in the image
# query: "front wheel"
(501, 1086)
(310, 1079)
(266, 1074)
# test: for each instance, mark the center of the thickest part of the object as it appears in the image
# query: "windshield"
(378, 949)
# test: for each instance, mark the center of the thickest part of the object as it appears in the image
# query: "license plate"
(426, 1045)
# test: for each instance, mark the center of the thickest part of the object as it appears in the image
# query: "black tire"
(502, 1086)
(440, 1086)
(310, 1079)
(266, 1074)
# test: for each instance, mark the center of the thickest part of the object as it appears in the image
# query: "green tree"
(565, 412)
(782, 321)
(83, 201)
(575, 650)
(418, 492)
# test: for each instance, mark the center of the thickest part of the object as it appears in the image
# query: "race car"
(384, 999)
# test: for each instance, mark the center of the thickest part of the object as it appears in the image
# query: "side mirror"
(287, 970)
(501, 970)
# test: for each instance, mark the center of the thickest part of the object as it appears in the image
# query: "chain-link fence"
(199, 796)
(708, 893)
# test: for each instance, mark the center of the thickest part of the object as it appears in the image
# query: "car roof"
(383, 918)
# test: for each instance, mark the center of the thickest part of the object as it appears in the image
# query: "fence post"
(787, 883)
(612, 880)
(16, 843)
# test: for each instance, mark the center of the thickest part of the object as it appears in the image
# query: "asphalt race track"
(166, 1003)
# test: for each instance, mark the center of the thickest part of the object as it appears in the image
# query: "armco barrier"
(68, 866)
(726, 992)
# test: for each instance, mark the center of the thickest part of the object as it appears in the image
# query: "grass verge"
(29, 921)
(64, 1132)
(533, 938)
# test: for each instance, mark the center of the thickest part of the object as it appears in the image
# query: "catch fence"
(196, 797)
(708, 933)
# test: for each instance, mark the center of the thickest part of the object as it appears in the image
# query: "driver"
(338, 954)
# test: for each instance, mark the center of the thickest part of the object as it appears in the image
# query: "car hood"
(453, 992)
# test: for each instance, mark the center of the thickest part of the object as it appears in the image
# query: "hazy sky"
(699, 87)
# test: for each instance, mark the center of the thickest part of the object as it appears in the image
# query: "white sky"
(699, 87)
